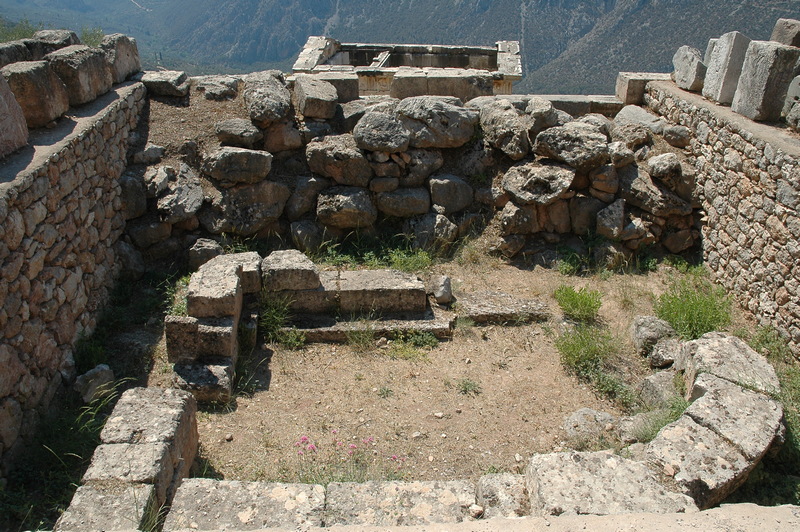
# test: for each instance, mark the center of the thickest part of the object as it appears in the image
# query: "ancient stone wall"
(62, 214)
(748, 176)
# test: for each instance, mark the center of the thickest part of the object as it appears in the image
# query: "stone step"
(209, 381)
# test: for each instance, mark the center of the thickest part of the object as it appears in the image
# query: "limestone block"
(598, 483)
(385, 504)
(792, 96)
(172, 83)
(215, 291)
(133, 195)
(339, 157)
(712, 43)
(346, 84)
(450, 192)
(730, 358)
(541, 183)
(638, 189)
(56, 39)
(13, 129)
(431, 231)
(578, 145)
(209, 381)
(583, 213)
(137, 463)
(633, 114)
(786, 31)
(380, 291)
(96, 383)
(408, 82)
(304, 196)
(705, 466)
(658, 389)
(39, 91)
(497, 307)
(111, 506)
(378, 131)
(250, 262)
(314, 97)
(725, 66)
(690, 72)
(266, 97)
(610, 220)
(122, 55)
(231, 166)
(84, 71)
(243, 209)
(238, 132)
(503, 495)
(646, 331)
(750, 421)
(289, 270)
(202, 251)
(587, 424)
(437, 121)
(147, 231)
(767, 71)
(282, 136)
(403, 202)
(630, 85)
(189, 338)
(346, 207)
(244, 506)
(464, 84)
(13, 52)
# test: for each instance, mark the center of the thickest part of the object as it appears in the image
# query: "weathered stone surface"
(658, 389)
(404, 202)
(189, 339)
(666, 167)
(250, 263)
(379, 131)
(130, 261)
(84, 71)
(156, 180)
(112, 506)
(646, 331)
(423, 163)
(583, 148)
(322, 300)
(497, 307)
(306, 235)
(380, 291)
(230, 166)
(678, 241)
(730, 358)
(237, 132)
(506, 128)
(14, 52)
(677, 136)
(586, 424)
(151, 154)
(289, 270)
(786, 31)
(436, 122)
(339, 158)
(632, 136)
(690, 72)
(384, 184)
(304, 196)
(137, 463)
(398, 503)
(630, 86)
(620, 154)
(638, 189)
(583, 214)
(206, 504)
(767, 71)
(431, 231)
(538, 182)
(209, 381)
(122, 55)
(450, 192)
(202, 251)
(750, 421)
(171, 83)
(95, 383)
(147, 231)
(282, 136)
(725, 66)
(633, 114)
(346, 207)
(266, 97)
(133, 195)
(215, 291)
(440, 287)
(518, 220)
(12, 121)
(217, 87)
(39, 91)
(704, 466)
(314, 97)
(543, 113)
(56, 39)
(611, 219)
(666, 352)
(503, 495)
(244, 209)
(597, 483)
(183, 197)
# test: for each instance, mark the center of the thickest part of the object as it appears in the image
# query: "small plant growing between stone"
(694, 305)
(580, 305)
(659, 419)
(412, 345)
(274, 315)
(385, 392)
(175, 294)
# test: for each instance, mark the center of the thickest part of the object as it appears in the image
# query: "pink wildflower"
(339, 443)
(352, 446)
(300, 453)
(304, 439)
(334, 431)
(311, 447)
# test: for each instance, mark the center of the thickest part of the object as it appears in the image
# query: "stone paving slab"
(320, 300)
(111, 507)
(497, 307)
(205, 505)
(398, 503)
(380, 291)
(598, 483)
(189, 339)
(142, 463)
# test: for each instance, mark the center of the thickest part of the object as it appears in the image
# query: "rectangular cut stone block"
(250, 262)
(408, 82)
(598, 483)
(289, 270)
(138, 463)
(786, 31)
(380, 291)
(13, 128)
(206, 504)
(463, 84)
(712, 43)
(705, 466)
(111, 506)
(498, 307)
(398, 503)
(630, 85)
(190, 339)
(215, 291)
(725, 66)
(346, 84)
(767, 71)
(84, 71)
(690, 71)
(209, 381)
(503, 495)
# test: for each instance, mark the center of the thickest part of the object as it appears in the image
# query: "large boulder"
(404, 202)
(538, 182)
(378, 131)
(304, 197)
(437, 122)
(690, 72)
(346, 208)
(13, 130)
(639, 189)
(611, 220)
(237, 132)
(282, 136)
(314, 97)
(646, 331)
(170, 83)
(450, 192)
(231, 166)
(266, 97)
(581, 146)
(84, 71)
(506, 128)
(183, 198)
(14, 52)
(421, 165)
(53, 40)
(542, 113)
(122, 55)
(431, 231)
(338, 157)
(39, 91)
(633, 114)
(518, 219)
(243, 209)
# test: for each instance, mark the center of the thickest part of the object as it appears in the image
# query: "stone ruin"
(83, 201)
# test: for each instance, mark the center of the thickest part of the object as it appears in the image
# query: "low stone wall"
(748, 177)
(62, 215)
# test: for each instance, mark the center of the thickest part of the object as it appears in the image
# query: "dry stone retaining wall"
(748, 176)
(62, 215)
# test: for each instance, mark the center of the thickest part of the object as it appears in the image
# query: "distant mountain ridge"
(568, 46)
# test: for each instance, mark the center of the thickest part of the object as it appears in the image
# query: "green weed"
(581, 305)
(658, 419)
(694, 305)
(412, 345)
(468, 386)
(274, 314)
(385, 392)
(92, 36)
(175, 295)
(10, 31)
(769, 343)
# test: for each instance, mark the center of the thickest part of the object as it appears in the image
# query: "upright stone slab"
(13, 130)
(768, 69)
(786, 31)
(725, 66)
(84, 71)
(110, 506)
(39, 91)
(690, 72)
(122, 55)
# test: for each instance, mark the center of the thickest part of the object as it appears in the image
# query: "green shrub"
(467, 386)
(693, 305)
(769, 343)
(581, 305)
(92, 36)
(291, 338)
(661, 418)
(274, 315)
(10, 31)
